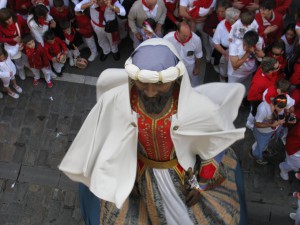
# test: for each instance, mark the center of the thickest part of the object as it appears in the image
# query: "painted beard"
(155, 105)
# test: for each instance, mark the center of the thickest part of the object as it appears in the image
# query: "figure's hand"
(192, 195)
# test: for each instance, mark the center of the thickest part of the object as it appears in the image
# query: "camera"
(281, 116)
(292, 118)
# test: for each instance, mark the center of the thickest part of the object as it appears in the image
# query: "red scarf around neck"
(197, 5)
(70, 37)
(182, 42)
(228, 26)
(42, 21)
(12, 30)
(290, 40)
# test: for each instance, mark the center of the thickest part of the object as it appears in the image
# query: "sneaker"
(1, 95)
(250, 153)
(35, 82)
(18, 89)
(22, 74)
(71, 62)
(103, 57)
(297, 175)
(13, 95)
(116, 56)
(293, 216)
(283, 175)
(262, 162)
(50, 84)
(92, 56)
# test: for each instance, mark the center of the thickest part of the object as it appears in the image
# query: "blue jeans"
(262, 141)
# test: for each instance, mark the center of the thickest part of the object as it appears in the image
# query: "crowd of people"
(246, 41)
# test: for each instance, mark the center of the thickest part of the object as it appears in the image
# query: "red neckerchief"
(228, 26)
(29, 51)
(290, 40)
(182, 43)
(101, 10)
(197, 5)
(42, 21)
(219, 18)
(298, 23)
(12, 30)
(145, 4)
(70, 37)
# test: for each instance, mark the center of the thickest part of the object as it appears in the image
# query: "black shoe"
(116, 56)
(103, 57)
(60, 74)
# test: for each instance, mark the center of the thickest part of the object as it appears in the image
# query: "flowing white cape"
(103, 155)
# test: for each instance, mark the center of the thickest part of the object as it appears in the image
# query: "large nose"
(150, 90)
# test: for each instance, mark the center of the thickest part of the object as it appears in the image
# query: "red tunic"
(276, 20)
(259, 84)
(84, 25)
(37, 57)
(57, 47)
(7, 36)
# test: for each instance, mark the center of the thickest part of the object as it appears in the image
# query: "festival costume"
(53, 50)
(99, 161)
(6, 67)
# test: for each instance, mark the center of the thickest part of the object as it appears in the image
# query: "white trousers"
(21, 63)
(122, 28)
(58, 66)
(175, 209)
(73, 54)
(291, 163)
(46, 71)
(6, 81)
(105, 40)
(90, 42)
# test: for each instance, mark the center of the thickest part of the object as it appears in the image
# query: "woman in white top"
(290, 40)
(39, 21)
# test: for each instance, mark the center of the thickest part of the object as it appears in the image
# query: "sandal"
(13, 95)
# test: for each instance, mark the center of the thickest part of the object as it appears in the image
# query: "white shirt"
(238, 29)
(189, 51)
(3, 4)
(151, 13)
(6, 67)
(289, 49)
(109, 14)
(264, 115)
(202, 11)
(221, 35)
(38, 31)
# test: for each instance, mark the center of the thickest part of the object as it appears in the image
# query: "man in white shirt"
(242, 63)
(266, 125)
(189, 47)
(102, 11)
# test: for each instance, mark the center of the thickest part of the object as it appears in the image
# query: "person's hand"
(196, 71)
(54, 59)
(21, 46)
(200, 19)
(252, 6)
(211, 10)
(23, 6)
(52, 24)
(11, 73)
(226, 55)
(238, 4)
(270, 29)
(108, 3)
(276, 123)
(138, 36)
(259, 53)
(192, 196)
(17, 39)
(158, 31)
(92, 2)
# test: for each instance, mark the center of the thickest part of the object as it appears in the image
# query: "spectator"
(212, 22)
(12, 29)
(221, 42)
(278, 52)
(264, 77)
(242, 62)
(290, 40)
(270, 23)
(57, 52)
(265, 126)
(38, 60)
(85, 29)
(188, 46)
(39, 21)
(282, 6)
(140, 11)
(7, 73)
(148, 29)
(173, 17)
(123, 20)
(101, 13)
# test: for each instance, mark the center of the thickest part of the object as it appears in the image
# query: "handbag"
(111, 26)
